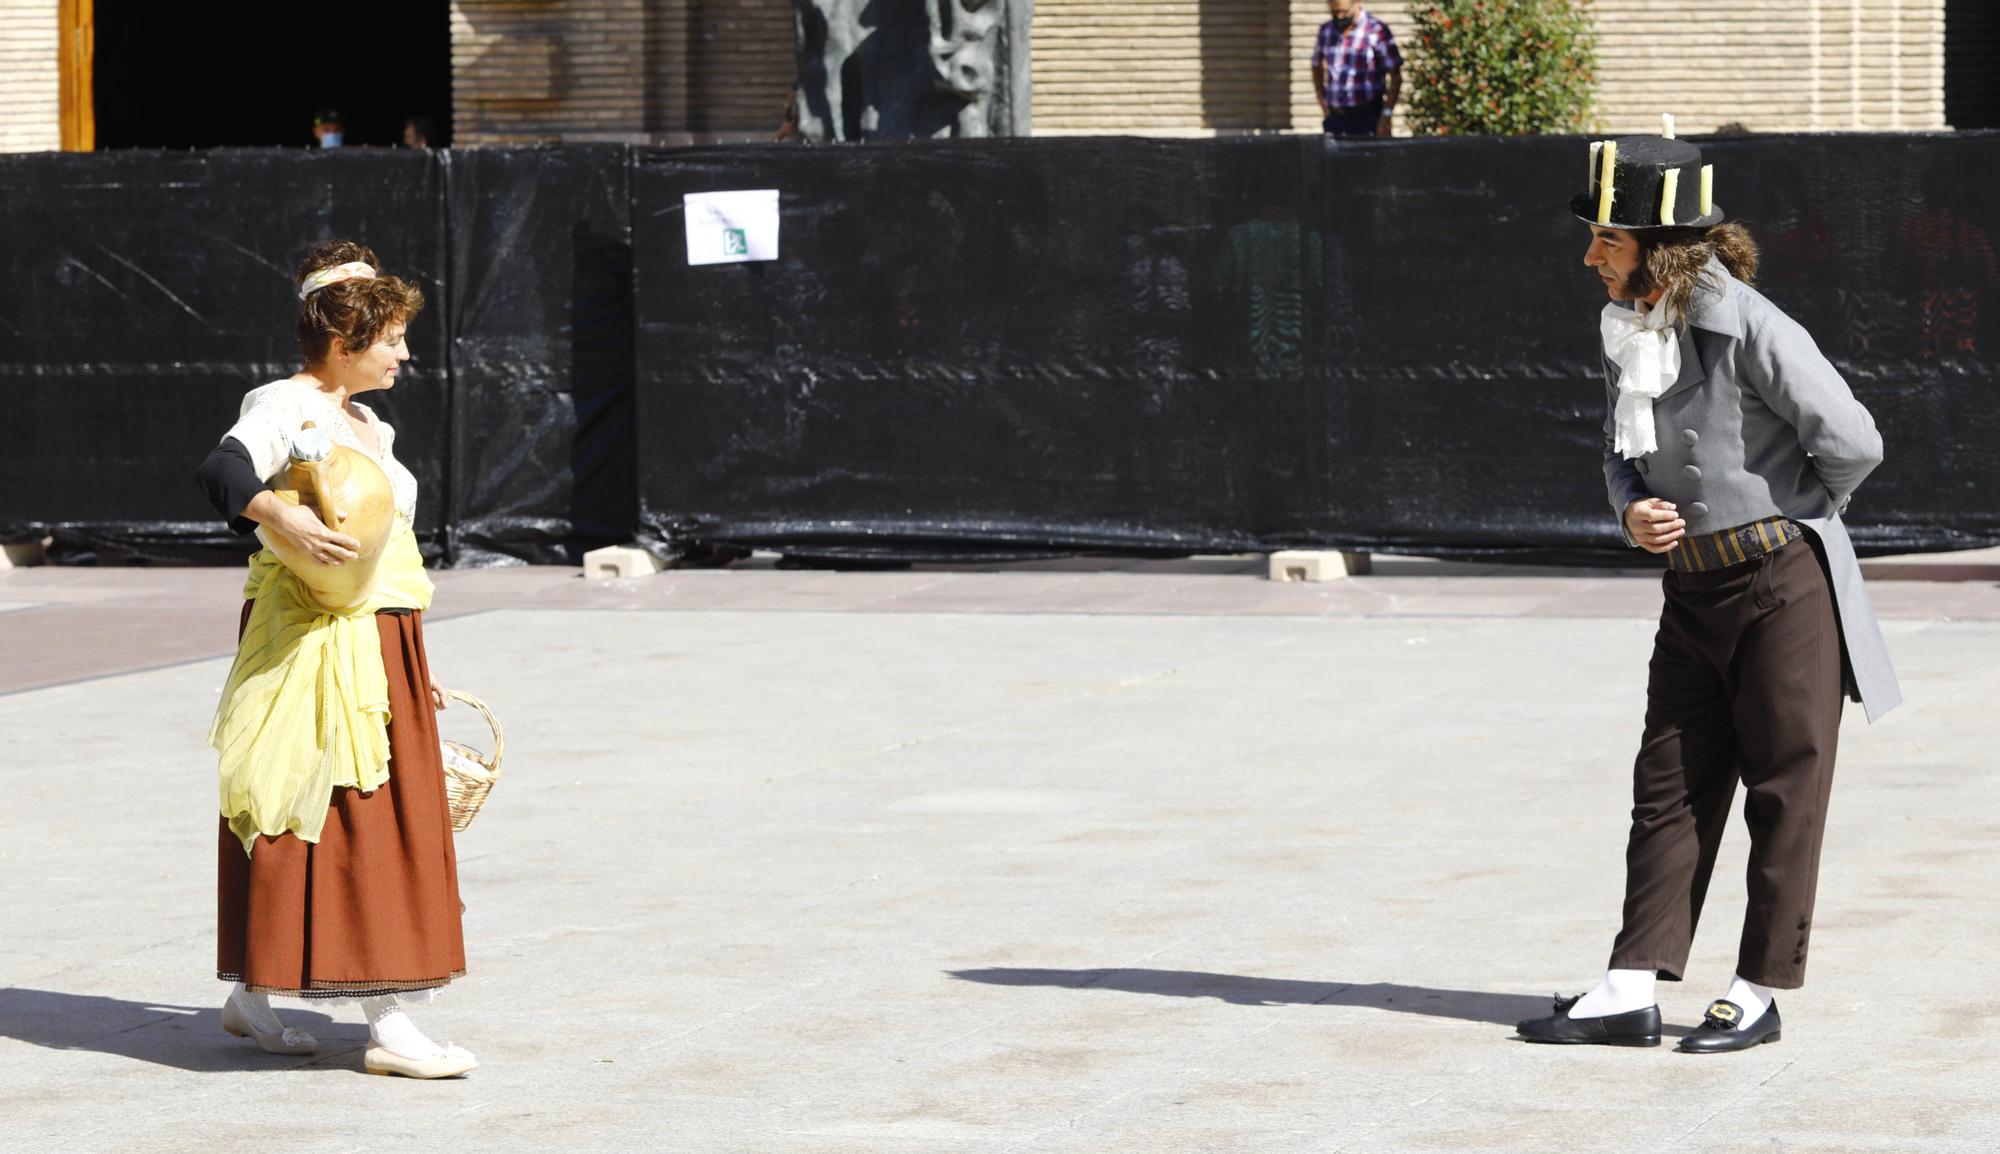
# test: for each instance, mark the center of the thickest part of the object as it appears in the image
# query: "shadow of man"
(1465, 1005)
(182, 1037)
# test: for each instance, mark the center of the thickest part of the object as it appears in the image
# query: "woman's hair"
(1676, 261)
(357, 311)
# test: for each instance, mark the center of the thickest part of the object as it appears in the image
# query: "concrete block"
(1317, 565)
(24, 554)
(619, 561)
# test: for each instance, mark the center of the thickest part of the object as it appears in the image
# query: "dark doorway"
(254, 73)
(1971, 50)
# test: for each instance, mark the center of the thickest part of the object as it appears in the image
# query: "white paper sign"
(732, 227)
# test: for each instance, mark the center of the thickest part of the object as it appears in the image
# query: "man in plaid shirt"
(1357, 71)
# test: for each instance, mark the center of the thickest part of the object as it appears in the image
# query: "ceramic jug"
(351, 494)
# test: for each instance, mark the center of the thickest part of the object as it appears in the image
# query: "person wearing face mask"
(328, 131)
(337, 877)
(1357, 72)
(1731, 449)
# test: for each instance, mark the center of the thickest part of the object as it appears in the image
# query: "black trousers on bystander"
(1360, 120)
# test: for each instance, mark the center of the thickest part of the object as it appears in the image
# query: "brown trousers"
(1745, 683)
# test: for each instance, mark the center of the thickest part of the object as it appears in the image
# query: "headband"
(352, 270)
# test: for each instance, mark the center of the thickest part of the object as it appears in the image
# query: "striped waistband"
(1732, 546)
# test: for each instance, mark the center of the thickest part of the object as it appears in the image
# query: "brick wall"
(30, 88)
(1774, 65)
(723, 69)
(621, 70)
(1167, 67)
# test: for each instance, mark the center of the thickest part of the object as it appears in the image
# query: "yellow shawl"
(306, 709)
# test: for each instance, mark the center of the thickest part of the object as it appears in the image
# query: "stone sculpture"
(903, 69)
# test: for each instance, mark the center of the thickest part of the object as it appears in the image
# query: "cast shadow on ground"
(1465, 1005)
(183, 1037)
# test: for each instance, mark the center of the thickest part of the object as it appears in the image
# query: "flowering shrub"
(1502, 66)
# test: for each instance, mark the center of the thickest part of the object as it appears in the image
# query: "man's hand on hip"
(1654, 525)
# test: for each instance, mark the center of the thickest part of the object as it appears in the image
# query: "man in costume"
(1731, 448)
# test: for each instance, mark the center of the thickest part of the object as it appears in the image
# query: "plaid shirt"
(1357, 62)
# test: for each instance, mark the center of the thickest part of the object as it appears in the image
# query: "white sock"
(391, 1029)
(1753, 998)
(1621, 991)
(257, 1008)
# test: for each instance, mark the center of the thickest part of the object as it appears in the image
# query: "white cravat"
(1647, 352)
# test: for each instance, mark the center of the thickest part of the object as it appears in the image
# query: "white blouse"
(273, 414)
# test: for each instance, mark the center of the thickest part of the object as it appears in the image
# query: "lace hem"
(422, 990)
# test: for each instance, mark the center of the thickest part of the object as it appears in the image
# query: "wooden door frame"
(77, 70)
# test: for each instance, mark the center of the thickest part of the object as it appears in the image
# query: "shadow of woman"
(183, 1037)
(1465, 1005)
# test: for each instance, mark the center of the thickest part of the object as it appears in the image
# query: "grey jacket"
(1760, 424)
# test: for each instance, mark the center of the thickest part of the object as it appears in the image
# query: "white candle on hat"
(1667, 125)
(1596, 146)
(1707, 189)
(1668, 191)
(1608, 183)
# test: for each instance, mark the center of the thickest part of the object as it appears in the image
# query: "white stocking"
(1754, 999)
(257, 1008)
(1621, 991)
(392, 1029)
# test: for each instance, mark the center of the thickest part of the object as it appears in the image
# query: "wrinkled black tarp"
(1130, 344)
(541, 354)
(968, 348)
(143, 293)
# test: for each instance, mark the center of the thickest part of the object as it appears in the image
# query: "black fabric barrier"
(541, 337)
(143, 293)
(968, 349)
(1883, 247)
(977, 349)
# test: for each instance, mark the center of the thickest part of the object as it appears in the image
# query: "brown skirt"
(373, 907)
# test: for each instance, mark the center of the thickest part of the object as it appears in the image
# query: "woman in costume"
(338, 878)
(1731, 447)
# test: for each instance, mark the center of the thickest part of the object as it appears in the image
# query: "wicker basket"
(467, 782)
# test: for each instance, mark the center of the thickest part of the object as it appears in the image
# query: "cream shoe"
(449, 1062)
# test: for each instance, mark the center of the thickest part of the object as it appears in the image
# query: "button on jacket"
(1759, 424)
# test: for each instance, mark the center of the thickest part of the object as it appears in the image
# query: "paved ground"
(1085, 857)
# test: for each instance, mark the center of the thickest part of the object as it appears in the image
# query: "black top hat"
(1639, 185)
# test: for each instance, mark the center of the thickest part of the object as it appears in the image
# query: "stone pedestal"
(1317, 565)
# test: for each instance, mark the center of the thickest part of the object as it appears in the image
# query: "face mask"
(330, 140)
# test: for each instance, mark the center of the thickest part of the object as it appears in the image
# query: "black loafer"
(1632, 1028)
(1721, 1031)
